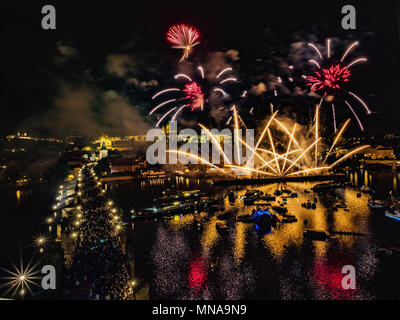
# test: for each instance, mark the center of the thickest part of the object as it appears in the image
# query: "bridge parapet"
(392, 163)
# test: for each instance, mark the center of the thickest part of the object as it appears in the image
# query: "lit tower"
(103, 150)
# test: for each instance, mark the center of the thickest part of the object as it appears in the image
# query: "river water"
(186, 258)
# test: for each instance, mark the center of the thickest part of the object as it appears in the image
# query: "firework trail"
(183, 37)
(192, 94)
(332, 76)
(275, 157)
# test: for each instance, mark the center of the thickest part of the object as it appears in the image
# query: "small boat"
(246, 218)
(268, 197)
(261, 203)
(294, 195)
(316, 234)
(366, 189)
(261, 217)
(267, 219)
(280, 210)
(251, 196)
(395, 214)
(288, 218)
(376, 204)
(313, 205)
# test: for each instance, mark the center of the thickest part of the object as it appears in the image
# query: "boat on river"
(289, 218)
(179, 203)
(326, 186)
(268, 197)
(316, 234)
(251, 196)
(309, 205)
(393, 214)
(366, 189)
(259, 216)
(261, 203)
(280, 209)
(376, 204)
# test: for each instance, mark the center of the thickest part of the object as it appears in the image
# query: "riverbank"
(324, 177)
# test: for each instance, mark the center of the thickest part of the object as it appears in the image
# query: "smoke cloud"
(90, 112)
(119, 64)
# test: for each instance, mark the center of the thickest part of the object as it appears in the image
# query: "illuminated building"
(127, 165)
(103, 151)
(379, 152)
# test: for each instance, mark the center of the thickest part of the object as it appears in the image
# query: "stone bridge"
(392, 163)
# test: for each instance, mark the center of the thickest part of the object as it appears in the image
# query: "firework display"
(331, 77)
(183, 37)
(192, 94)
(277, 157)
(198, 150)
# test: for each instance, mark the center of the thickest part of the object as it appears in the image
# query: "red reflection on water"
(327, 275)
(197, 274)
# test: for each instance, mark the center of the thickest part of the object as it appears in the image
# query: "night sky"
(94, 73)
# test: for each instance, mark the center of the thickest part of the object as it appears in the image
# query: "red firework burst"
(194, 94)
(329, 78)
(183, 37)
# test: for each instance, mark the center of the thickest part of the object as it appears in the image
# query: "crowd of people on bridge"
(99, 266)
